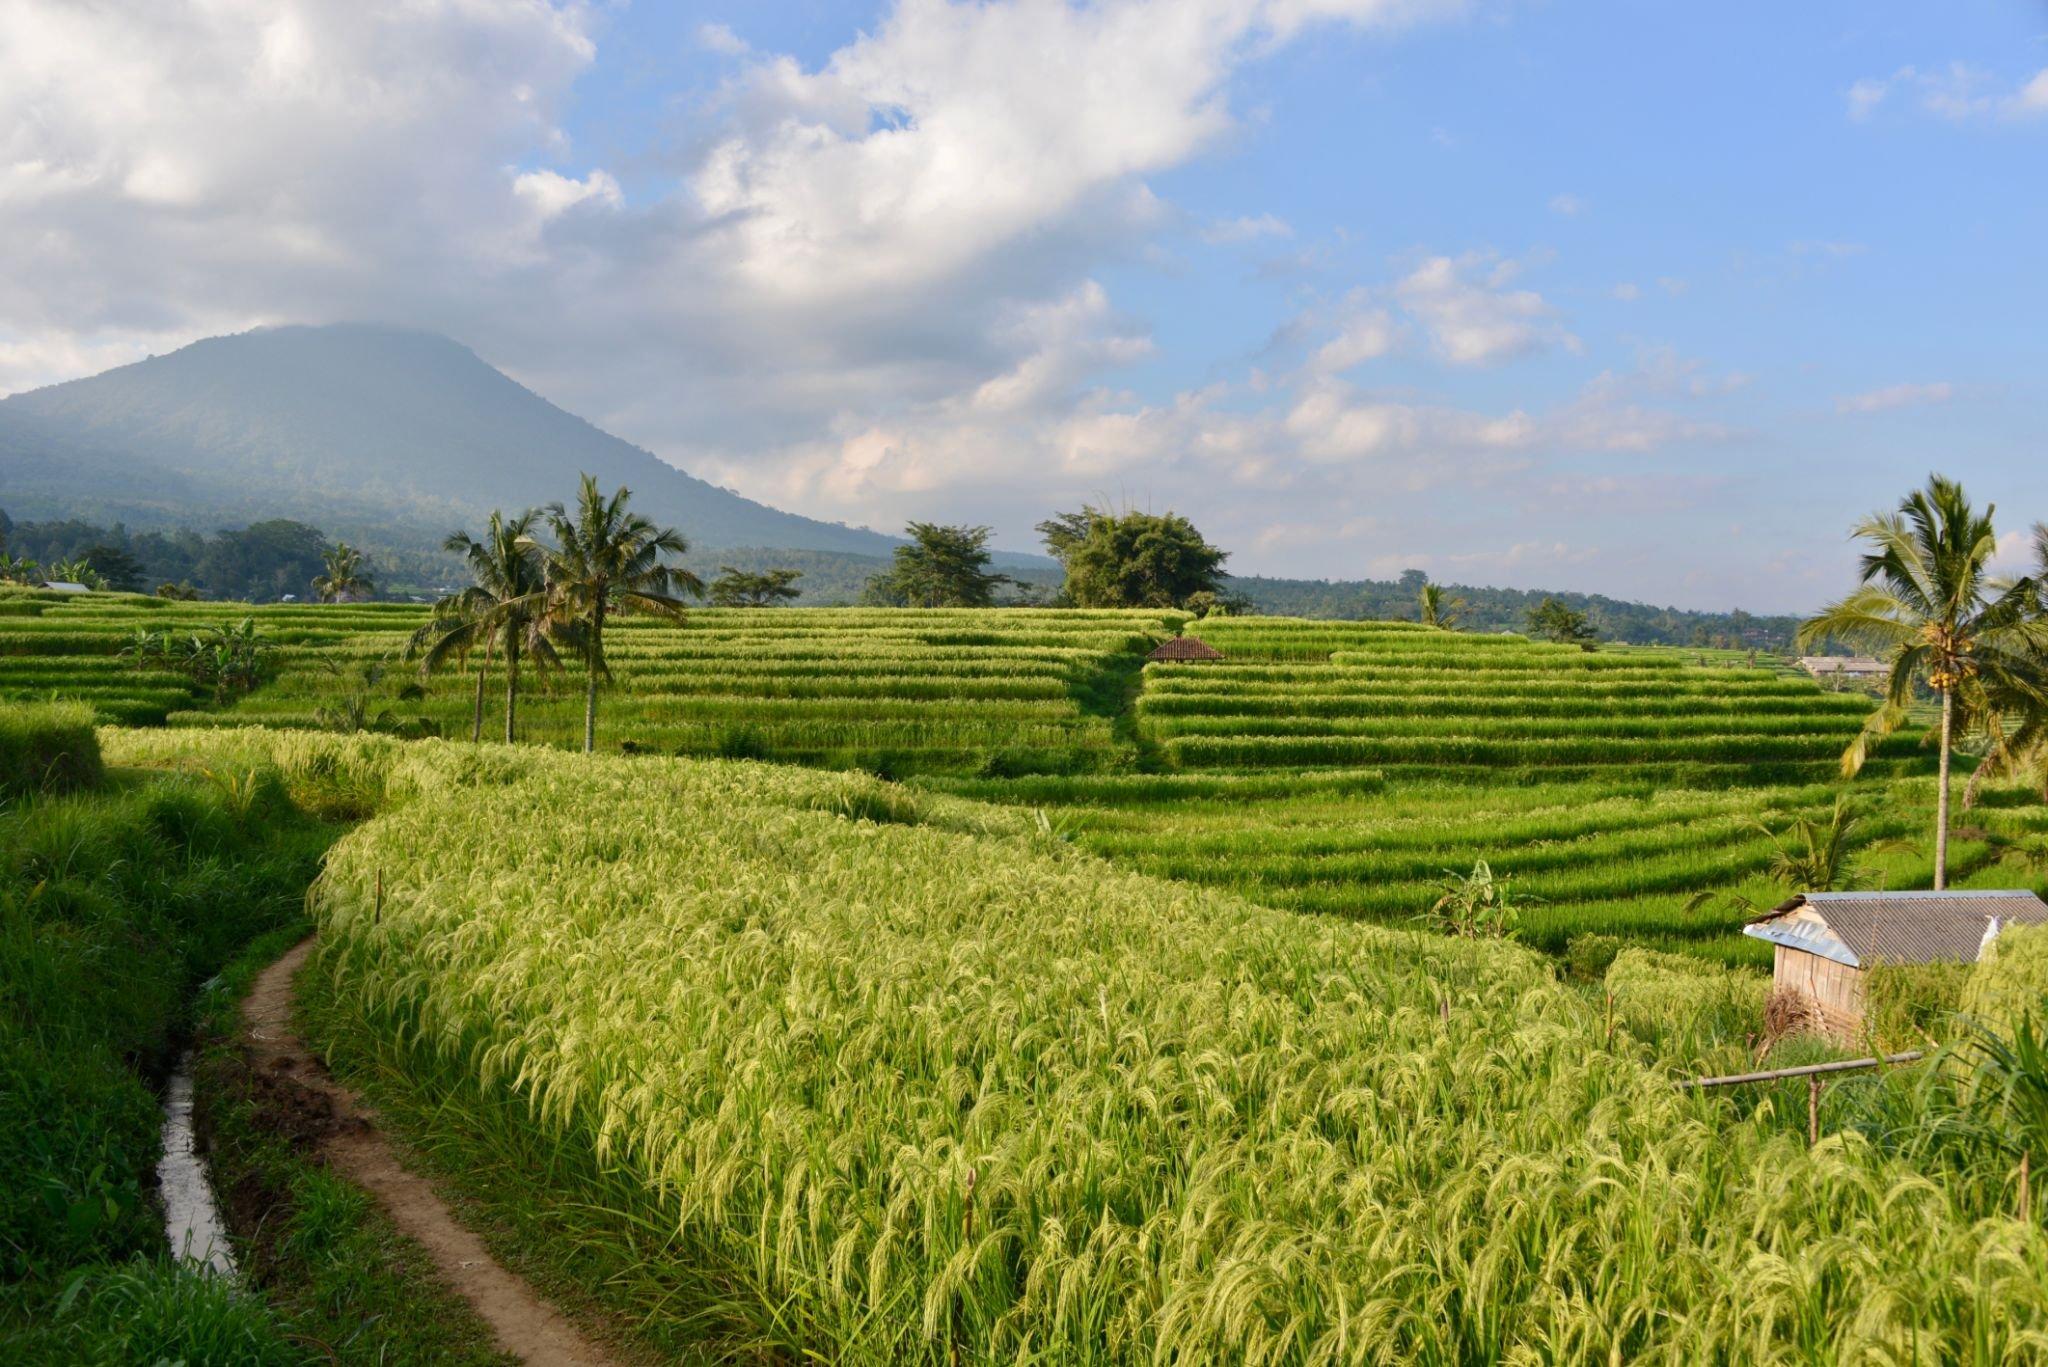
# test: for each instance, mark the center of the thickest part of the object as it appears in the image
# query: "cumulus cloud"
(1474, 316)
(866, 288)
(1896, 396)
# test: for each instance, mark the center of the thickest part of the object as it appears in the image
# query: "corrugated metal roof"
(1185, 648)
(1898, 927)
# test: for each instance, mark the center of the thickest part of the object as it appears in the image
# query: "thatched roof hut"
(1185, 648)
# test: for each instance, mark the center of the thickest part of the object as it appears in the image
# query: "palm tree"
(1439, 611)
(503, 609)
(344, 581)
(1929, 607)
(2008, 712)
(608, 561)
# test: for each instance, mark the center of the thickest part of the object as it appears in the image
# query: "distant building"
(1825, 942)
(1185, 648)
(64, 586)
(1843, 667)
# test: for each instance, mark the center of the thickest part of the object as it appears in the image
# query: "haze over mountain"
(366, 431)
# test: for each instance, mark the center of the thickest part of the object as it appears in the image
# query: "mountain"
(378, 434)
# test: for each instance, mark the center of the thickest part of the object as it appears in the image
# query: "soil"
(320, 1116)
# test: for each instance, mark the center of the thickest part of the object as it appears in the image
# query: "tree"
(1437, 610)
(741, 589)
(1929, 608)
(1132, 559)
(344, 579)
(117, 569)
(608, 561)
(1553, 621)
(2006, 709)
(177, 593)
(942, 567)
(503, 609)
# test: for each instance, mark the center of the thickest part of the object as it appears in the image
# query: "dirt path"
(522, 1323)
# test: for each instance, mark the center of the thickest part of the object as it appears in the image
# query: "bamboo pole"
(1812, 1109)
(1806, 1070)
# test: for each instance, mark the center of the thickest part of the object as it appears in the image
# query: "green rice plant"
(48, 747)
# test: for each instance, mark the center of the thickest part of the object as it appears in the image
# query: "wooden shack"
(1185, 648)
(1825, 942)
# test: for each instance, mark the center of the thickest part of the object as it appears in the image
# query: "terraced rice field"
(899, 692)
(1326, 767)
(1410, 700)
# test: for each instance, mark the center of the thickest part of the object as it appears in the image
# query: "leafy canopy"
(1133, 559)
(942, 567)
(1553, 621)
(735, 588)
(1929, 607)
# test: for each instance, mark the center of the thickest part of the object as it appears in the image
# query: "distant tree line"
(1491, 609)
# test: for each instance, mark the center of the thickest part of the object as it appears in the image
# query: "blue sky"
(1644, 299)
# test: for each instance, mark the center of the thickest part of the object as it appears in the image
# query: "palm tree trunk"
(589, 706)
(1948, 709)
(592, 653)
(511, 690)
(476, 716)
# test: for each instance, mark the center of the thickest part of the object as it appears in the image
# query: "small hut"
(1826, 941)
(1185, 648)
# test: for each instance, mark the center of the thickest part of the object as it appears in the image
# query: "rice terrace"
(1250, 683)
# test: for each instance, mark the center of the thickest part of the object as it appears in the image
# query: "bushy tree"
(1552, 620)
(734, 588)
(942, 567)
(1132, 559)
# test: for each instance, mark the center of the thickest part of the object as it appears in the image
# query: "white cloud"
(1229, 231)
(720, 38)
(1472, 315)
(1570, 206)
(552, 194)
(1956, 92)
(1366, 334)
(1896, 396)
(872, 293)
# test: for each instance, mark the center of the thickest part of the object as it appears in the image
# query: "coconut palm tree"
(1438, 610)
(344, 581)
(503, 609)
(1929, 607)
(608, 561)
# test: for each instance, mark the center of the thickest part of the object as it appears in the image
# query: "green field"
(802, 1064)
(1106, 1034)
(1330, 767)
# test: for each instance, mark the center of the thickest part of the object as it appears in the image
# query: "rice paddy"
(1112, 1035)
(881, 1077)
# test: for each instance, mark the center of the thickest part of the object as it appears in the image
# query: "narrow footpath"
(521, 1322)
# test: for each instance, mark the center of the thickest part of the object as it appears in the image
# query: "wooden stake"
(1812, 1109)
(377, 919)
